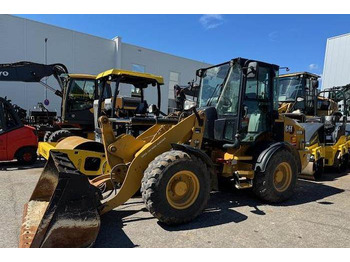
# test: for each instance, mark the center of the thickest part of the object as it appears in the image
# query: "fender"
(204, 157)
(266, 155)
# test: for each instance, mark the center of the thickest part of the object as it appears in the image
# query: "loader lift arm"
(30, 72)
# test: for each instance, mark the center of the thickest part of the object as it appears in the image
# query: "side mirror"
(199, 73)
(252, 70)
(315, 84)
(300, 99)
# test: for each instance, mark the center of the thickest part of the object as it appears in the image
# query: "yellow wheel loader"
(235, 133)
(319, 115)
(130, 116)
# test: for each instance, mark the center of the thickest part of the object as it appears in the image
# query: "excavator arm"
(30, 72)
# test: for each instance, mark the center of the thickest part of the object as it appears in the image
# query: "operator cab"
(130, 114)
(240, 101)
(297, 92)
(80, 91)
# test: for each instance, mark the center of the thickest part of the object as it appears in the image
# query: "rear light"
(293, 140)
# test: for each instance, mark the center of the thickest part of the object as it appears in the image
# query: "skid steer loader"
(319, 115)
(131, 116)
(236, 132)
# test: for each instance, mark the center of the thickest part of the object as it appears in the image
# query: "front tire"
(278, 181)
(27, 156)
(176, 187)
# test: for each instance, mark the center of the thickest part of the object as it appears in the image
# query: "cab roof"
(84, 76)
(300, 73)
(121, 72)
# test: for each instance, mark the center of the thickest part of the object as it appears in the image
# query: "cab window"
(81, 95)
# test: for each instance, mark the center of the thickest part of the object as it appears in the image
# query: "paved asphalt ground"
(317, 216)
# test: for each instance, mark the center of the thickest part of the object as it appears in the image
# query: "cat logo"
(4, 73)
(289, 129)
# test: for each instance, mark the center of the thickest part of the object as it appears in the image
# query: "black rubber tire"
(343, 165)
(59, 135)
(263, 185)
(155, 180)
(47, 136)
(319, 170)
(20, 155)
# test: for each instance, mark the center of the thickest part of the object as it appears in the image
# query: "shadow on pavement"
(331, 175)
(111, 233)
(220, 210)
(14, 165)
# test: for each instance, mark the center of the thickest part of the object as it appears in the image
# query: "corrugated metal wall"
(336, 71)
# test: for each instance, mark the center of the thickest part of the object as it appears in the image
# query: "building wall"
(163, 64)
(24, 40)
(336, 71)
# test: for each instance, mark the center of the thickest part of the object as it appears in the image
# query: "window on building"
(138, 68)
(174, 79)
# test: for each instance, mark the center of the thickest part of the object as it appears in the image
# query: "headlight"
(189, 104)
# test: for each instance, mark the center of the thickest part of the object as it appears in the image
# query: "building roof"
(120, 72)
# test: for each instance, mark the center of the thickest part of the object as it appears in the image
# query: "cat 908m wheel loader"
(236, 132)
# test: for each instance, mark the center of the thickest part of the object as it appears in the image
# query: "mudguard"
(265, 155)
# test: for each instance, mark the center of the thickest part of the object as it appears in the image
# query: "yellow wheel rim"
(182, 189)
(282, 177)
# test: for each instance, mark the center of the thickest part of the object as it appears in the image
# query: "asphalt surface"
(317, 216)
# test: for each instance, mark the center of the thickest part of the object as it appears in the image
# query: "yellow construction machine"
(132, 115)
(235, 132)
(319, 115)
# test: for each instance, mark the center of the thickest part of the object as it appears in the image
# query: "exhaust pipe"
(63, 210)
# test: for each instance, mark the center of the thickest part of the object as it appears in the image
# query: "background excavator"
(235, 133)
(78, 91)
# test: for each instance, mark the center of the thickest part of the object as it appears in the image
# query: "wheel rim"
(27, 157)
(182, 189)
(282, 177)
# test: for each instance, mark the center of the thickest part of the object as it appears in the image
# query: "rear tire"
(47, 136)
(176, 187)
(59, 135)
(343, 163)
(319, 170)
(26, 156)
(278, 181)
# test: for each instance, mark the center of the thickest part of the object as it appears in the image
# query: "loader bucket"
(63, 209)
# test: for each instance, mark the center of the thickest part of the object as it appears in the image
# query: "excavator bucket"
(63, 209)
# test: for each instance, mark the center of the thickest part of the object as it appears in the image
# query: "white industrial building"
(24, 40)
(336, 71)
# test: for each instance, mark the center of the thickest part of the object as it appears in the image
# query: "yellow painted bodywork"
(111, 72)
(342, 146)
(153, 142)
(77, 156)
(237, 160)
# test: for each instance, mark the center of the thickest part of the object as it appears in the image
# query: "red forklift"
(17, 141)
